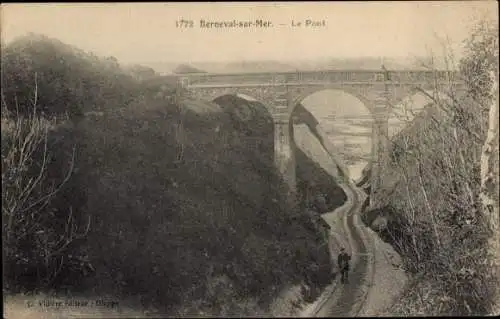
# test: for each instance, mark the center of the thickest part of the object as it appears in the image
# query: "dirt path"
(376, 277)
(346, 298)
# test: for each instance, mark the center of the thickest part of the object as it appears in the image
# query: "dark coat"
(343, 260)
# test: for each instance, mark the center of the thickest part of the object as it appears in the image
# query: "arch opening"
(342, 121)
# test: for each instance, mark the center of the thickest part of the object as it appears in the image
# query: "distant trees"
(141, 72)
(185, 68)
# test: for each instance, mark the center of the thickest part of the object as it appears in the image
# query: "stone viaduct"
(380, 91)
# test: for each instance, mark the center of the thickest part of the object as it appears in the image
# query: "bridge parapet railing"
(258, 78)
(342, 76)
(287, 78)
(423, 76)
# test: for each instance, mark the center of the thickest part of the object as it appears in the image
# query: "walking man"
(343, 262)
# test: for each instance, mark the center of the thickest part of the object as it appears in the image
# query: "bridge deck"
(310, 71)
(309, 83)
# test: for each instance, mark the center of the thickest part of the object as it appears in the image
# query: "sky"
(147, 32)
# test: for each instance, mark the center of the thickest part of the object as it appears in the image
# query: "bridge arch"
(303, 93)
(282, 93)
(350, 143)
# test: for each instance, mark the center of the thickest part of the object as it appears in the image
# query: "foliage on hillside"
(430, 197)
(179, 204)
(67, 80)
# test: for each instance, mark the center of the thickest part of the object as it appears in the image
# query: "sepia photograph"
(250, 159)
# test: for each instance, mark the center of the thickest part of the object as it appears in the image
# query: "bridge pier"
(284, 155)
(380, 150)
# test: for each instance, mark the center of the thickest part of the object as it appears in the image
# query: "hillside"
(317, 172)
(178, 205)
(226, 167)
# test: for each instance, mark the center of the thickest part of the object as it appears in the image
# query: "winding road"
(347, 300)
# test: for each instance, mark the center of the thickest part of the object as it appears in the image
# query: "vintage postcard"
(250, 159)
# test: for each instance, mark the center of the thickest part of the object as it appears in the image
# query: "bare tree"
(27, 192)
